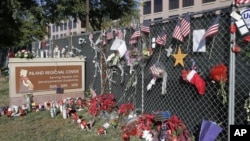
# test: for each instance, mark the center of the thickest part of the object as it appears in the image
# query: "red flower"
(125, 137)
(101, 131)
(125, 108)
(219, 73)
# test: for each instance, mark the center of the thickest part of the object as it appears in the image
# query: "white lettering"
(55, 72)
(240, 132)
(72, 71)
(36, 73)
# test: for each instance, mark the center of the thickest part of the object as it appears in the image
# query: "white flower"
(147, 135)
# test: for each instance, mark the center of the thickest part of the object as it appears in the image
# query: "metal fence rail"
(181, 98)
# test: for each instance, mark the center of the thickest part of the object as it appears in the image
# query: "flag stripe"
(213, 29)
(239, 2)
(177, 31)
(162, 38)
(136, 34)
(145, 27)
(185, 25)
(132, 41)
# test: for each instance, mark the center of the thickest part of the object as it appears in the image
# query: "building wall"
(67, 28)
(197, 7)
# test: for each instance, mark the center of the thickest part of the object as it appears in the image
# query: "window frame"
(207, 1)
(158, 6)
(174, 4)
(187, 3)
(147, 9)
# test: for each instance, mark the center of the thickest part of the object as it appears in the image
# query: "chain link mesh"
(181, 98)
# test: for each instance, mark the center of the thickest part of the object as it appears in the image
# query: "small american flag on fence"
(177, 31)
(213, 29)
(185, 25)
(145, 27)
(132, 41)
(136, 34)
(162, 38)
(239, 2)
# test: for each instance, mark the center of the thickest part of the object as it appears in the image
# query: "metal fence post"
(231, 98)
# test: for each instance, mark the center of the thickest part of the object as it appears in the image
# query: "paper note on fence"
(199, 43)
(116, 44)
(119, 45)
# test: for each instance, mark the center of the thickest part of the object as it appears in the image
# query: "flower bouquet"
(24, 54)
(218, 74)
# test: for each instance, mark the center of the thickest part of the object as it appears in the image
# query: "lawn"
(40, 126)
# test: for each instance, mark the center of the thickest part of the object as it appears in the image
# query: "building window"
(54, 28)
(173, 4)
(74, 24)
(157, 6)
(147, 20)
(157, 19)
(65, 26)
(70, 24)
(61, 26)
(83, 24)
(186, 3)
(147, 7)
(206, 1)
(49, 29)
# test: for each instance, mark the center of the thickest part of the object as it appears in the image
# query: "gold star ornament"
(179, 58)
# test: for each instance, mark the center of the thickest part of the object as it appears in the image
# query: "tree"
(101, 12)
(105, 11)
(19, 24)
(24, 21)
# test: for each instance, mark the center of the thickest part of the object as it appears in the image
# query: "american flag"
(177, 31)
(145, 27)
(162, 38)
(239, 2)
(156, 71)
(185, 25)
(109, 35)
(136, 34)
(213, 29)
(132, 41)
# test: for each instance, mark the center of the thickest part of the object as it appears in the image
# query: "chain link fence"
(181, 97)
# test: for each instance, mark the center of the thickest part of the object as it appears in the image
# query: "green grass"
(40, 126)
(4, 91)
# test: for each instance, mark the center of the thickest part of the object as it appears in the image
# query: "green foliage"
(102, 12)
(4, 88)
(24, 21)
(19, 24)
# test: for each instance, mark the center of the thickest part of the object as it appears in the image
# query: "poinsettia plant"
(218, 74)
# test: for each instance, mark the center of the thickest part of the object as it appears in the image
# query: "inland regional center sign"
(43, 78)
